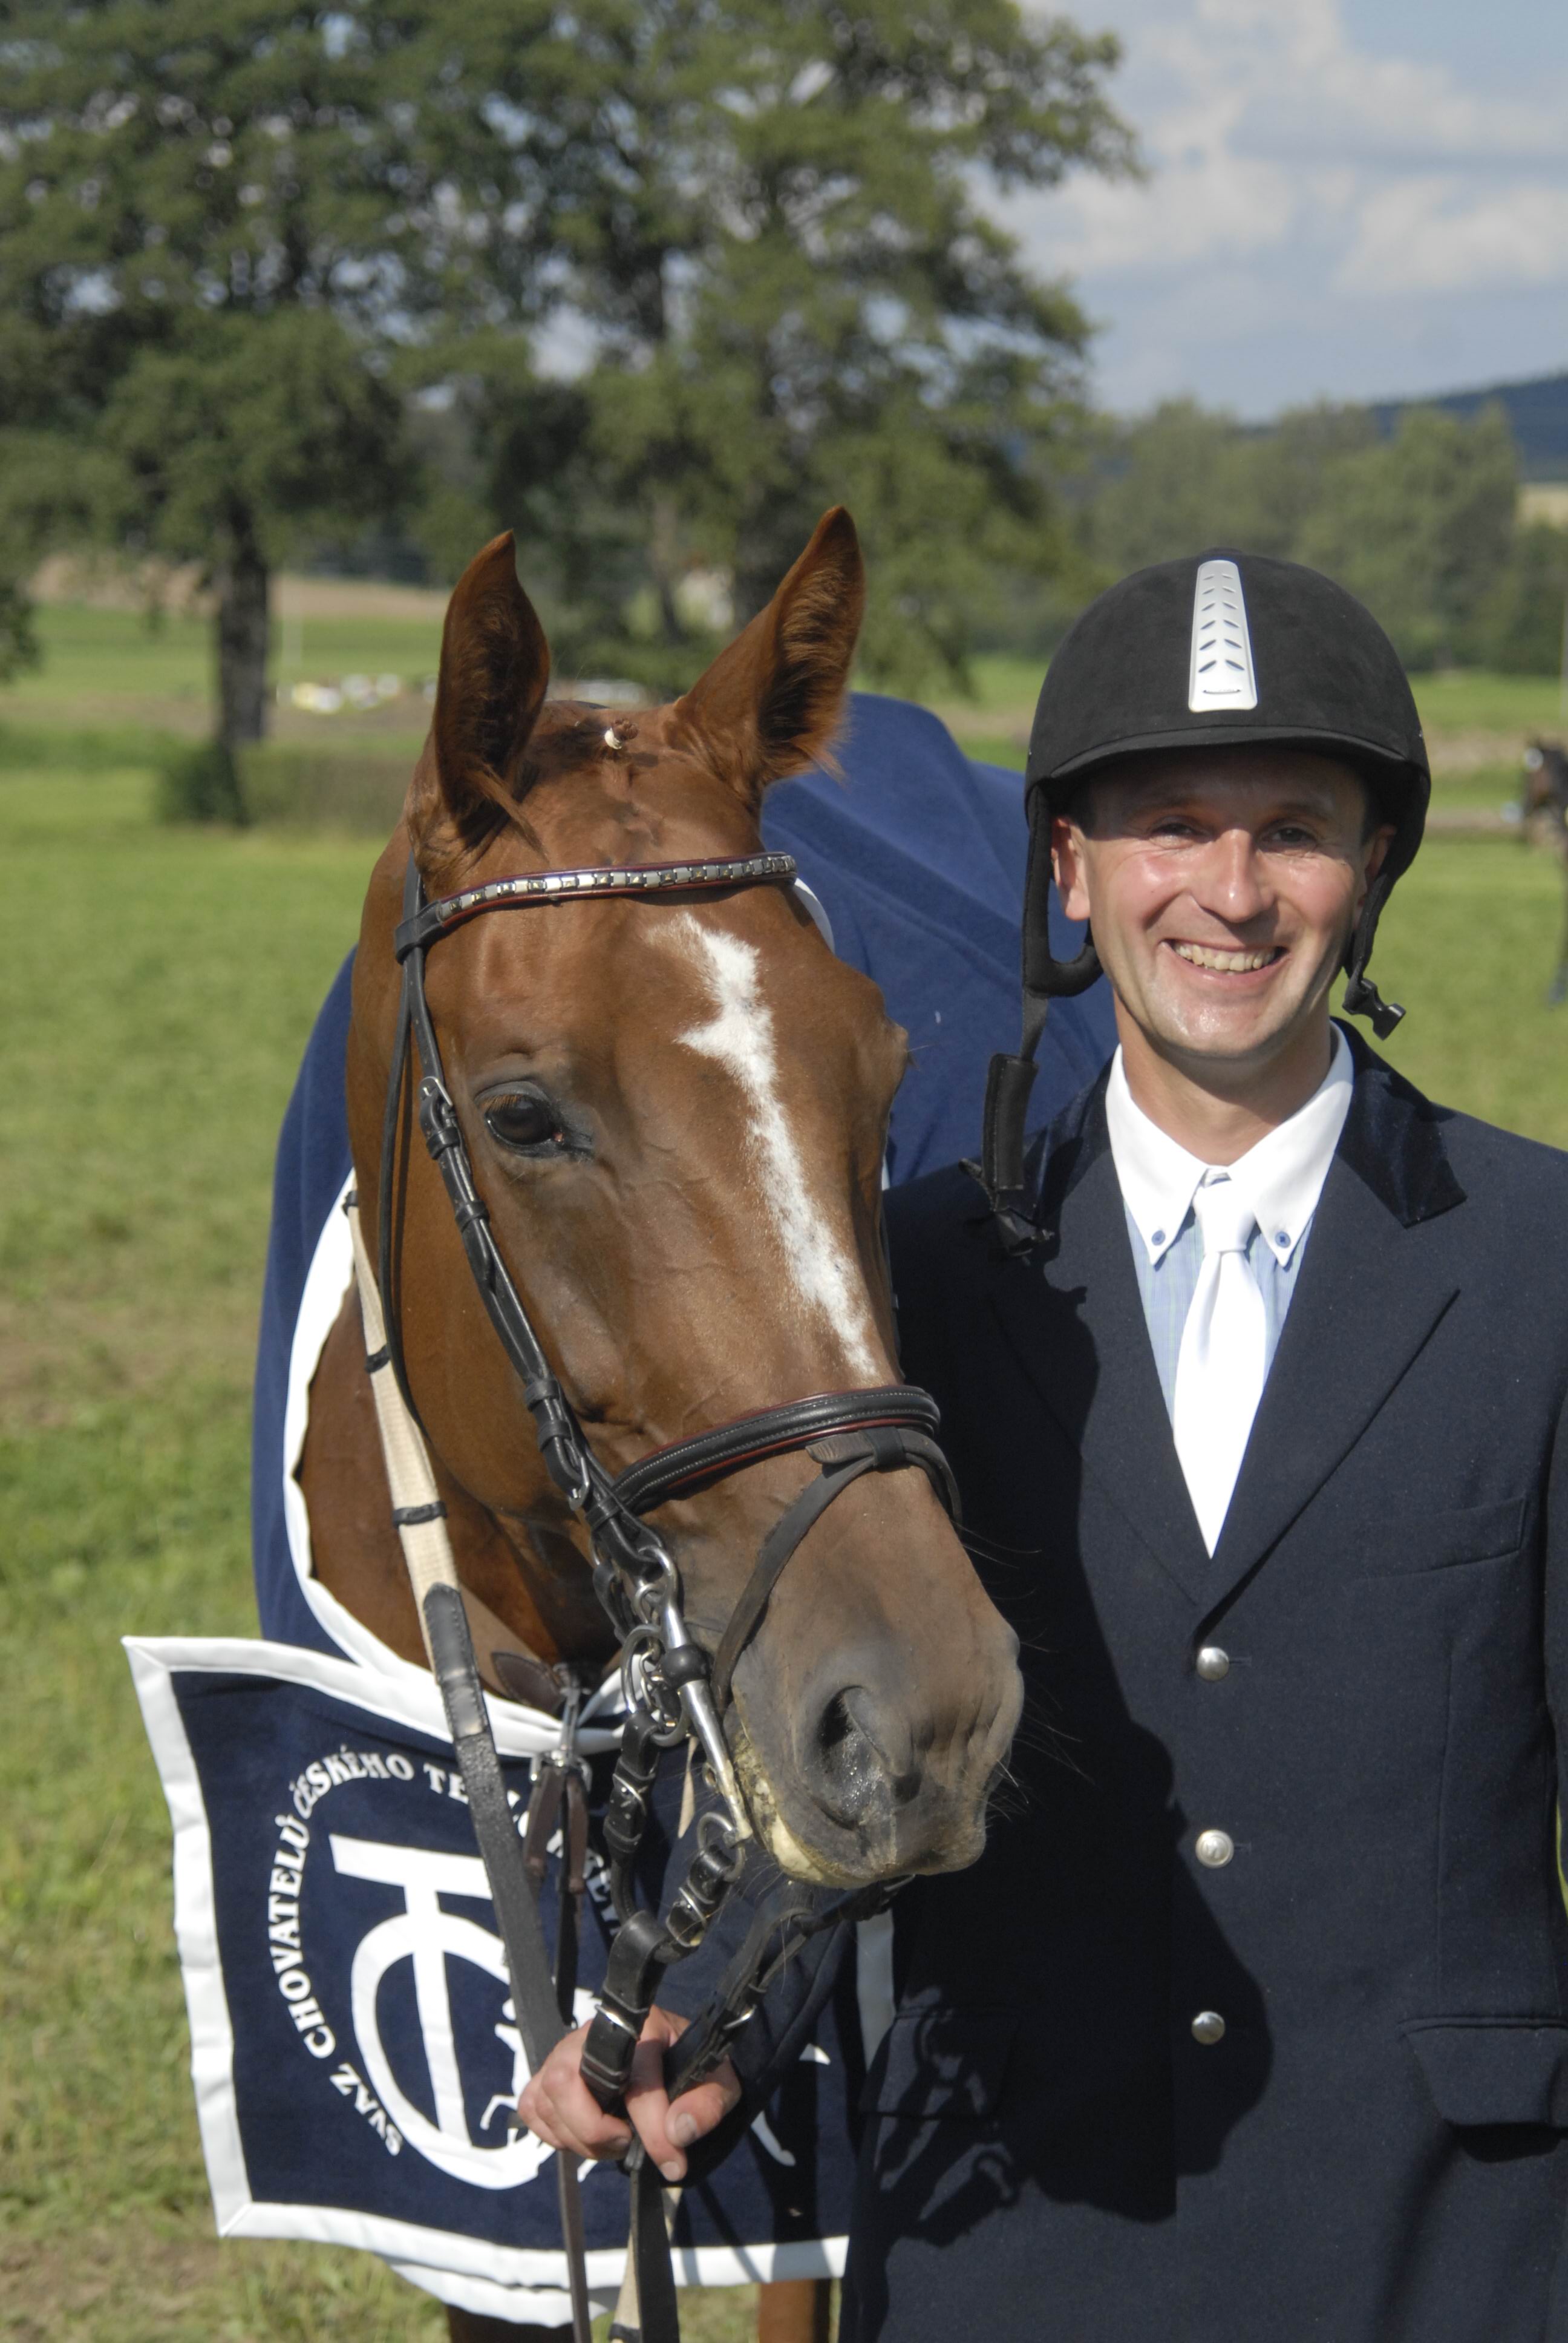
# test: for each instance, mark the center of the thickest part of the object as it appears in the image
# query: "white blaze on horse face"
(740, 1037)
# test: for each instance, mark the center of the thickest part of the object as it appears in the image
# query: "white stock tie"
(1219, 1366)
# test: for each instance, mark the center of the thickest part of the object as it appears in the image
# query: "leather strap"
(648, 2311)
(422, 925)
(682, 1466)
(878, 1448)
(516, 1914)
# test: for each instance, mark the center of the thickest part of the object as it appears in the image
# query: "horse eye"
(527, 1121)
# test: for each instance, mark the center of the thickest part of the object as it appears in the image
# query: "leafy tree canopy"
(765, 219)
(214, 223)
(233, 241)
(1420, 525)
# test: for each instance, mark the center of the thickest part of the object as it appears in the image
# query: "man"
(1252, 2019)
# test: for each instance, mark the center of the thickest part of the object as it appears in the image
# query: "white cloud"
(1332, 189)
(1434, 234)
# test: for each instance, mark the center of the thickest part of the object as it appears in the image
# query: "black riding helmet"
(1217, 647)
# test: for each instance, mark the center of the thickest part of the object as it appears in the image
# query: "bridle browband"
(431, 922)
(673, 1690)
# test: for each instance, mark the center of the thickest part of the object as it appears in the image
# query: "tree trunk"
(242, 580)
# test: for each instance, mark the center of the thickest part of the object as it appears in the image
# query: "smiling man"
(1253, 2021)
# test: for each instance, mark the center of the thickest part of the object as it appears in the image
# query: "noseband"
(673, 1689)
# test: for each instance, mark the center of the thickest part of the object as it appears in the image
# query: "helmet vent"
(1222, 672)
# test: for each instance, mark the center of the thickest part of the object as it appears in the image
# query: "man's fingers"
(668, 2130)
(698, 2112)
(559, 2107)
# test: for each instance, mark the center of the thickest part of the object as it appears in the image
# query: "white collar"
(1282, 1177)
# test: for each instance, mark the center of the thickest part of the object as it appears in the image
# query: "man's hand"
(559, 2107)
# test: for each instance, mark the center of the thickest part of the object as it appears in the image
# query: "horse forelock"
(594, 785)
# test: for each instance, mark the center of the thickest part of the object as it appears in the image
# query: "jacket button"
(1213, 1664)
(1215, 1848)
(1207, 2026)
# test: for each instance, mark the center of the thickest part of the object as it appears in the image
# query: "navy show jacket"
(1376, 2149)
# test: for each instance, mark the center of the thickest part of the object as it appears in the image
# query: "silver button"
(1215, 1848)
(1213, 1664)
(1207, 2026)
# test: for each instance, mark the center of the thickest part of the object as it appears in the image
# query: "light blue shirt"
(1281, 1178)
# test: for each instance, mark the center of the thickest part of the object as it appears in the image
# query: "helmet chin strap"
(1362, 998)
(1046, 979)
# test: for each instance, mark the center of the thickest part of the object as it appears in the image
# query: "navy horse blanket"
(354, 2053)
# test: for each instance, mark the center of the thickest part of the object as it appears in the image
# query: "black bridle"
(675, 1690)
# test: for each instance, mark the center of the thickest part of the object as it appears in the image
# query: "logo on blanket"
(486, 2150)
(355, 2046)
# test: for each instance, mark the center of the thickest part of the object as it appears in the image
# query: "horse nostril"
(855, 1775)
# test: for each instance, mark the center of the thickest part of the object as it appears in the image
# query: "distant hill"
(1538, 412)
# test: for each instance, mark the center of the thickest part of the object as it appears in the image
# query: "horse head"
(676, 1107)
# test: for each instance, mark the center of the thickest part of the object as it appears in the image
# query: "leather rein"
(674, 1690)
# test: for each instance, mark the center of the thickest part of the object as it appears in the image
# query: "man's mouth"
(1231, 962)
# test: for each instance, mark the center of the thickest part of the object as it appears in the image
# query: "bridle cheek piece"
(674, 1691)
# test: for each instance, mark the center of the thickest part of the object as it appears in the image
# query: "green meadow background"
(159, 984)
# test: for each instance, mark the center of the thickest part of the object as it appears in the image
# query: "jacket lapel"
(1072, 1314)
(1369, 1295)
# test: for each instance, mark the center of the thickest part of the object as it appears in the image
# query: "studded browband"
(449, 911)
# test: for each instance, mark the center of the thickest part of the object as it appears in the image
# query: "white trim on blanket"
(330, 1275)
(195, 1924)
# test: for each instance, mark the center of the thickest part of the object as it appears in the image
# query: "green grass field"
(89, 651)
(107, 666)
(159, 996)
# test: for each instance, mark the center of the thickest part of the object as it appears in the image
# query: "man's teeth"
(1202, 956)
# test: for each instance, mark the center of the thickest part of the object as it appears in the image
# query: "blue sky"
(1348, 199)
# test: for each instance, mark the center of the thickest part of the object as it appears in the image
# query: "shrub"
(199, 783)
(325, 788)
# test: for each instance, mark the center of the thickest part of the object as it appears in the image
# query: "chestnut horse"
(675, 1111)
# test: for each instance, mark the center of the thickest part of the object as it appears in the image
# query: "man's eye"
(527, 1121)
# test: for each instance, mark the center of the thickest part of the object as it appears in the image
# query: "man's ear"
(1377, 848)
(495, 667)
(1066, 860)
(770, 704)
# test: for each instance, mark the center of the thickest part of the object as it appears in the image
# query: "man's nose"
(1232, 880)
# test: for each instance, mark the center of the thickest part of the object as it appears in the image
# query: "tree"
(1184, 476)
(1524, 623)
(1420, 528)
(1420, 525)
(766, 217)
(218, 227)
(236, 439)
(1173, 482)
(18, 643)
(1290, 468)
(232, 241)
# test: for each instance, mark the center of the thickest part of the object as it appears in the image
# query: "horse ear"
(769, 705)
(495, 666)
